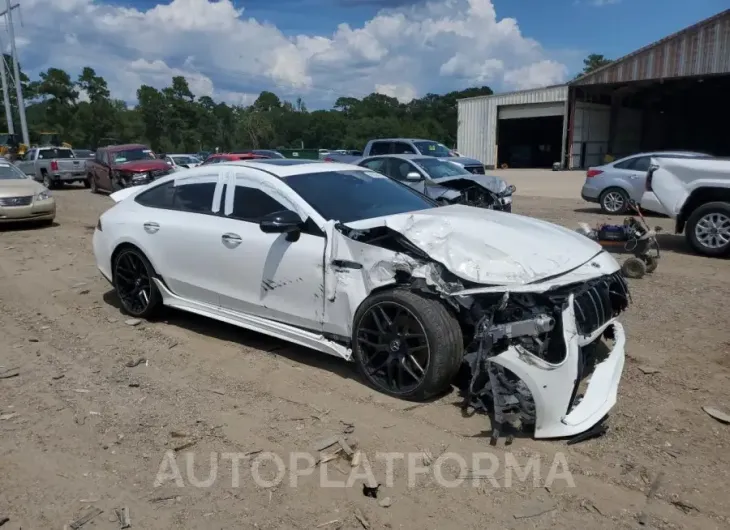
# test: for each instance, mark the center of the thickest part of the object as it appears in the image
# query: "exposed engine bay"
(474, 194)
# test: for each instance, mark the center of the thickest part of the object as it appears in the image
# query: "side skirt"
(258, 324)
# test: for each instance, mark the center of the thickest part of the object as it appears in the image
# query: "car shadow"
(26, 226)
(215, 329)
(597, 211)
(677, 243)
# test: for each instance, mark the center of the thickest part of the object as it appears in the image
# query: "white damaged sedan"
(351, 263)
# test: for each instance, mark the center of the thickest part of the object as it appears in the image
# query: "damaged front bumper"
(559, 409)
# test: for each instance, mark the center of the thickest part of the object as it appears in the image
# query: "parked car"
(615, 184)
(83, 153)
(268, 153)
(52, 166)
(696, 193)
(444, 181)
(414, 146)
(120, 166)
(182, 161)
(22, 198)
(349, 262)
(217, 158)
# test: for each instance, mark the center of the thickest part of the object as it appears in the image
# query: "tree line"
(85, 114)
(174, 119)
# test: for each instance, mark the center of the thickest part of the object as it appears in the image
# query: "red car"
(217, 158)
(119, 166)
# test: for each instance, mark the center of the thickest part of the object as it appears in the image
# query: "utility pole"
(6, 95)
(16, 71)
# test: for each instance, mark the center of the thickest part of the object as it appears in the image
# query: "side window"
(376, 165)
(398, 169)
(161, 196)
(379, 148)
(251, 204)
(194, 198)
(626, 164)
(640, 164)
(42, 154)
(402, 148)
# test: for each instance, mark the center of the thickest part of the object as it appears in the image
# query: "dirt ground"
(81, 430)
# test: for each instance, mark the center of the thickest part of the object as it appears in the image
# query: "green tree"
(593, 62)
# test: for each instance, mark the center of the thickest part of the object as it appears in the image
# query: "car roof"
(404, 157)
(660, 153)
(404, 140)
(288, 170)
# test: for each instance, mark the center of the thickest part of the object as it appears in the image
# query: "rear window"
(46, 154)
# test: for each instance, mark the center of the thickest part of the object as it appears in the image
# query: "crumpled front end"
(550, 360)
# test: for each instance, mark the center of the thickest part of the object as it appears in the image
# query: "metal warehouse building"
(673, 94)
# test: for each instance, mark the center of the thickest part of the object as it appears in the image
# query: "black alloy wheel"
(133, 280)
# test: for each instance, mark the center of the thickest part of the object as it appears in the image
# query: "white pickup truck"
(695, 192)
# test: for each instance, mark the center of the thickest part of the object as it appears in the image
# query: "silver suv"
(613, 185)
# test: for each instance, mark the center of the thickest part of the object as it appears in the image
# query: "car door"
(25, 164)
(178, 231)
(270, 275)
(631, 175)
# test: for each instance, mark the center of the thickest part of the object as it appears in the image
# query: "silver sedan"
(613, 185)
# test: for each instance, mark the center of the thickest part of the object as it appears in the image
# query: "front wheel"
(406, 345)
(708, 229)
(133, 281)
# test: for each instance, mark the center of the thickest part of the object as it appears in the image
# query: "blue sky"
(301, 48)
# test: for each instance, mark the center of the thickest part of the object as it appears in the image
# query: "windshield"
(437, 169)
(353, 195)
(129, 155)
(185, 160)
(430, 148)
(10, 172)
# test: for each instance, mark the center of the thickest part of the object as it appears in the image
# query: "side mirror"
(282, 222)
(414, 176)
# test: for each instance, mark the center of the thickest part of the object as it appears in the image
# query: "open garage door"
(542, 110)
(529, 141)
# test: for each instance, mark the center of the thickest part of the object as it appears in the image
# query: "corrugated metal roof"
(701, 49)
(527, 92)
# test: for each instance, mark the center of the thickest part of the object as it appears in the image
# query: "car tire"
(699, 226)
(614, 201)
(48, 181)
(126, 263)
(398, 333)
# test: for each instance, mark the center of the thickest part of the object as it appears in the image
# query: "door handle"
(151, 228)
(231, 240)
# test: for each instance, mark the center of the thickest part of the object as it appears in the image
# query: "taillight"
(328, 159)
(593, 173)
(54, 165)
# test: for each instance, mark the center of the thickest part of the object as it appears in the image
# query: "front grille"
(476, 170)
(598, 301)
(16, 201)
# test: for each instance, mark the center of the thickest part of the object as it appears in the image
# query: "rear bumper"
(102, 255)
(649, 201)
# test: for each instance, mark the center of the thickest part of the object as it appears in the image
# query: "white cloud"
(406, 52)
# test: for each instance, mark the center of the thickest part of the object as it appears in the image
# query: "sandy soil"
(82, 430)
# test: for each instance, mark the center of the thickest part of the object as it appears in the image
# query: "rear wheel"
(406, 345)
(48, 181)
(634, 268)
(708, 229)
(614, 201)
(133, 281)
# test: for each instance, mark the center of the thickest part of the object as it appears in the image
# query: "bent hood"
(142, 165)
(488, 247)
(493, 184)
